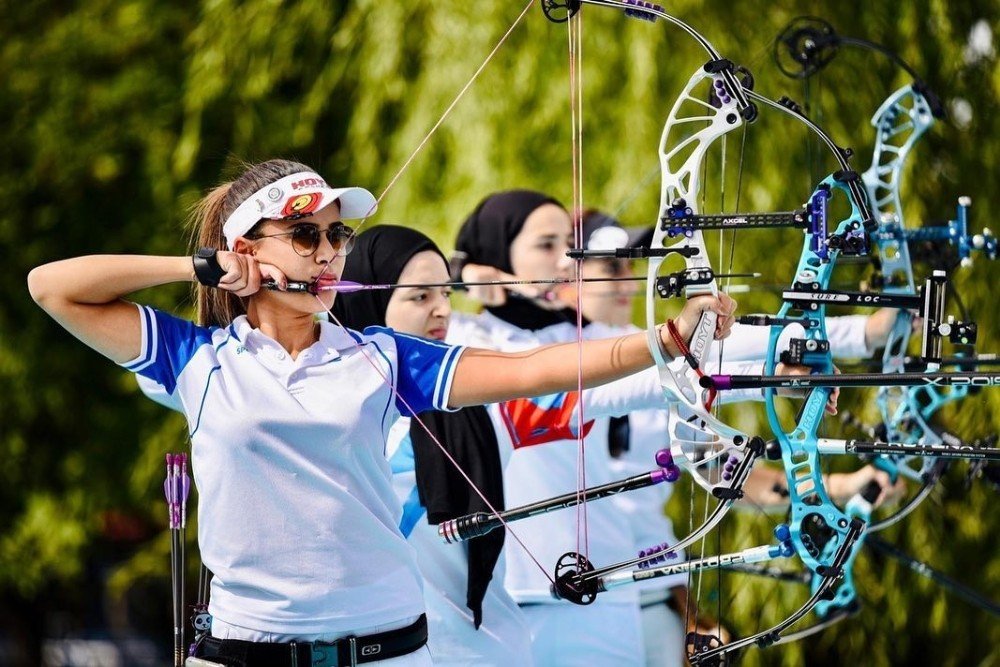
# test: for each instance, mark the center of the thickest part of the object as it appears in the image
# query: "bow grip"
(704, 334)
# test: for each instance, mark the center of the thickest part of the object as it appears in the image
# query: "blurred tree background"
(119, 114)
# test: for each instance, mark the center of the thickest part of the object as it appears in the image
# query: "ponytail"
(215, 307)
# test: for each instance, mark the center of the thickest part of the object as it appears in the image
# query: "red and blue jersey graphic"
(543, 419)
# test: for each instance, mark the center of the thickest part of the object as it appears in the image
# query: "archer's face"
(324, 265)
(419, 311)
(538, 252)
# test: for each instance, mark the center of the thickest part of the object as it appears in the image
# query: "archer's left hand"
(722, 305)
(844, 486)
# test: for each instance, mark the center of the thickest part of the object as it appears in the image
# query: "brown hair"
(218, 307)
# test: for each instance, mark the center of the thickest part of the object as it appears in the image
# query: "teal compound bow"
(806, 46)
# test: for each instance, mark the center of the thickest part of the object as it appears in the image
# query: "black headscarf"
(485, 238)
(380, 254)
(379, 257)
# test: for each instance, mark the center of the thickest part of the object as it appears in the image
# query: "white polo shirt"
(298, 520)
(535, 472)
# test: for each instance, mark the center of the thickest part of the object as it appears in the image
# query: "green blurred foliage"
(118, 115)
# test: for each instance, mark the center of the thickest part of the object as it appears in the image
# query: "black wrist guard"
(207, 268)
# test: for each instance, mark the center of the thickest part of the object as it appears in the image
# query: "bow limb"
(819, 528)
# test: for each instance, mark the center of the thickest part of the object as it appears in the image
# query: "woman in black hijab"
(524, 235)
(390, 254)
(518, 234)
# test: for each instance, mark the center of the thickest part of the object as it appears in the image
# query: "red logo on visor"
(302, 204)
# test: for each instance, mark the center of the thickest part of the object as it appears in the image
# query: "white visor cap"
(295, 196)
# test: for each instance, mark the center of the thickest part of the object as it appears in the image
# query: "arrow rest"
(673, 285)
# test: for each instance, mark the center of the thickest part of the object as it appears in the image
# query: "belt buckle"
(325, 654)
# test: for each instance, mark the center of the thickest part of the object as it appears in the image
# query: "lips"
(326, 279)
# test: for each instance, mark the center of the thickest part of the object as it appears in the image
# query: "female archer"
(288, 417)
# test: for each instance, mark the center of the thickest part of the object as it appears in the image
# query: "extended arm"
(484, 376)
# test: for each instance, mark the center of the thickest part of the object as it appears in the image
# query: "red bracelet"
(682, 345)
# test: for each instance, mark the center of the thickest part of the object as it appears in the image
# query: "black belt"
(346, 651)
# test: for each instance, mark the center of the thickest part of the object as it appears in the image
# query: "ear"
(244, 246)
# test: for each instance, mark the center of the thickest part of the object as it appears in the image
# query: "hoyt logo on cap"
(312, 182)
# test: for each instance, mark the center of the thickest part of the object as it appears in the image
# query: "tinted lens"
(305, 239)
(341, 237)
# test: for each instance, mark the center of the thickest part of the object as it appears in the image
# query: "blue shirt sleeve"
(168, 343)
(425, 371)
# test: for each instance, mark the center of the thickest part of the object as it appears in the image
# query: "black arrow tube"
(478, 524)
(965, 379)
(831, 446)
